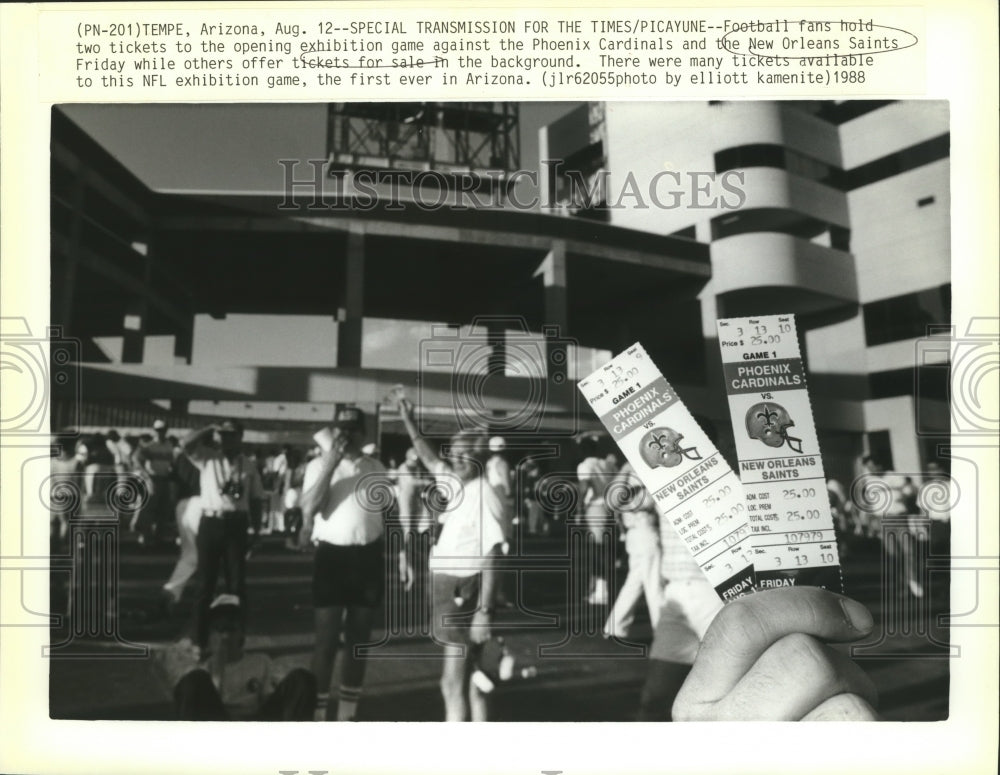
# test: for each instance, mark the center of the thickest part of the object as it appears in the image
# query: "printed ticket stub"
(788, 508)
(690, 482)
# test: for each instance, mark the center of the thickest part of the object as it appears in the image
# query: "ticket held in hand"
(690, 482)
(788, 507)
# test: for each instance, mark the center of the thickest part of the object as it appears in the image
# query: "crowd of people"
(149, 463)
(457, 505)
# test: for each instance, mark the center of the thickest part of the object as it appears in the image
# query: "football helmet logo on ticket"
(769, 422)
(662, 447)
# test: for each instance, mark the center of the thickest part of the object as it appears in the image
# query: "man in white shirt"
(461, 564)
(345, 498)
(231, 494)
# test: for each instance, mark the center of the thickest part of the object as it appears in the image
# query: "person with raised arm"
(462, 563)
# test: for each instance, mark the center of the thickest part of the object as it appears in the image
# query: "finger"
(747, 627)
(843, 707)
(793, 677)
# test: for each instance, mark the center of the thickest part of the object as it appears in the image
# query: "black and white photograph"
(599, 372)
(320, 452)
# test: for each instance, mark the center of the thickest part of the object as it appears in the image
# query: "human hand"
(480, 629)
(764, 659)
(324, 439)
(403, 404)
(331, 440)
(340, 441)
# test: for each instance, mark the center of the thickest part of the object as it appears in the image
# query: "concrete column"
(556, 327)
(184, 341)
(546, 176)
(350, 322)
(496, 338)
(136, 311)
(553, 272)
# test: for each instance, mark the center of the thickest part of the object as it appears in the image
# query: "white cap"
(369, 449)
(497, 444)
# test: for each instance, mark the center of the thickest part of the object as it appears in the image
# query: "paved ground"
(581, 677)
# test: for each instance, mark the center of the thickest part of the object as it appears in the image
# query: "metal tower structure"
(452, 138)
(579, 187)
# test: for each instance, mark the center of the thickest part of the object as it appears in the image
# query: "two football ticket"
(769, 526)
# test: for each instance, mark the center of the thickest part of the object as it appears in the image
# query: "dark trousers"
(294, 699)
(222, 545)
(156, 520)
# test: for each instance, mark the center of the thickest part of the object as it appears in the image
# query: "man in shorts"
(345, 498)
(476, 526)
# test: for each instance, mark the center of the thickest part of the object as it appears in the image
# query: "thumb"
(747, 627)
